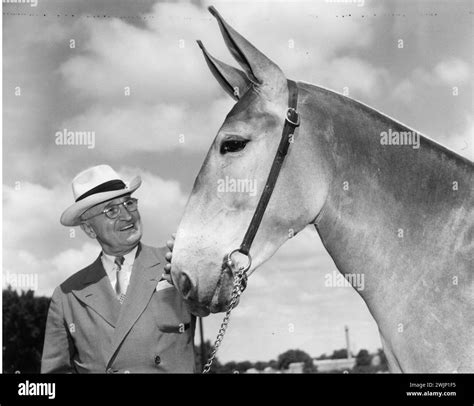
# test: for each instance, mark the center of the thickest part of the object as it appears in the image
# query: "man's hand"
(169, 255)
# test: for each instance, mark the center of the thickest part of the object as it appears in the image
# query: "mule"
(399, 213)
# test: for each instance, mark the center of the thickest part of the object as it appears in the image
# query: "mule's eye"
(233, 146)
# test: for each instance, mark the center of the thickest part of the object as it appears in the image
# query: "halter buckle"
(292, 116)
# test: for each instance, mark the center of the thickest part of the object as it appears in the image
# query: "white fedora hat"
(93, 186)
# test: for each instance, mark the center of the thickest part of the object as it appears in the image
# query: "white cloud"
(31, 212)
(169, 79)
(326, 36)
(404, 91)
(452, 71)
(49, 272)
(161, 127)
(150, 61)
(462, 142)
(415, 92)
(359, 76)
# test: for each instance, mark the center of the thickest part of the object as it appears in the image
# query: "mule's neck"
(393, 211)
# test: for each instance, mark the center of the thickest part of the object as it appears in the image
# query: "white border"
(1, 200)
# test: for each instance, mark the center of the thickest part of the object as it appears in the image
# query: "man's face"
(118, 235)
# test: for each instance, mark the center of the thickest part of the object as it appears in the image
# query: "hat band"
(109, 186)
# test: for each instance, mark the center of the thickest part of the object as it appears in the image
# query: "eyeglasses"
(113, 211)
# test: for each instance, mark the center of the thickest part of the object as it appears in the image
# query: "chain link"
(237, 290)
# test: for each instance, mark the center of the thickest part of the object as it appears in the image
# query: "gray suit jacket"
(88, 331)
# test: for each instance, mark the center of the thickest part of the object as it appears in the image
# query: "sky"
(132, 73)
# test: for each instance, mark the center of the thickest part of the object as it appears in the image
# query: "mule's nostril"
(185, 285)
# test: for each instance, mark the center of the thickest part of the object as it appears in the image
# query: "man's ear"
(87, 228)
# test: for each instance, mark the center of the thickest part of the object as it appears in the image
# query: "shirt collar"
(129, 258)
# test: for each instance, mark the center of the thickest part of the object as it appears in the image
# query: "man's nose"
(124, 213)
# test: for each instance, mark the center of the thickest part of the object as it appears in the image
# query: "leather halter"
(292, 120)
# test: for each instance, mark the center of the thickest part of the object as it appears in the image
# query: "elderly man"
(119, 314)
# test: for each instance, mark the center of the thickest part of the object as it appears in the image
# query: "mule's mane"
(312, 88)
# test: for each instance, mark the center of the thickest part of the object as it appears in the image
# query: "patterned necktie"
(120, 287)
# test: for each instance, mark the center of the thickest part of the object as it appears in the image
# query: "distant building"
(267, 370)
(322, 365)
(327, 365)
(270, 370)
(295, 368)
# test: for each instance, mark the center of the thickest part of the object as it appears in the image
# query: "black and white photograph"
(238, 187)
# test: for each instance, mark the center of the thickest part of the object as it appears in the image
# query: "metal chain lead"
(236, 292)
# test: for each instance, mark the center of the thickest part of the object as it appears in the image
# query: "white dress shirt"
(108, 261)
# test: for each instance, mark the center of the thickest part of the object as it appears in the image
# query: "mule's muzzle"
(205, 293)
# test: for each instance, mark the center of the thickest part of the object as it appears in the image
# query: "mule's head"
(233, 175)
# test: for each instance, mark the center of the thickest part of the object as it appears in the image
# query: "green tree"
(260, 365)
(228, 368)
(363, 358)
(242, 366)
(290, 356)
(24, 323)
(339, 354)
(363, 364)
(383, 366)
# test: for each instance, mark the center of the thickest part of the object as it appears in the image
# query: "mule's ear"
(260, 70)
(232, 80)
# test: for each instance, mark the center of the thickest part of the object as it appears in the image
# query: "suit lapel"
(145, 277)
(96, 292)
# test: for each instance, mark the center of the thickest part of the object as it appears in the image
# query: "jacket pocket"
(172, 315)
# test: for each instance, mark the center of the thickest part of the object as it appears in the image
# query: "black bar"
(322, 389)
